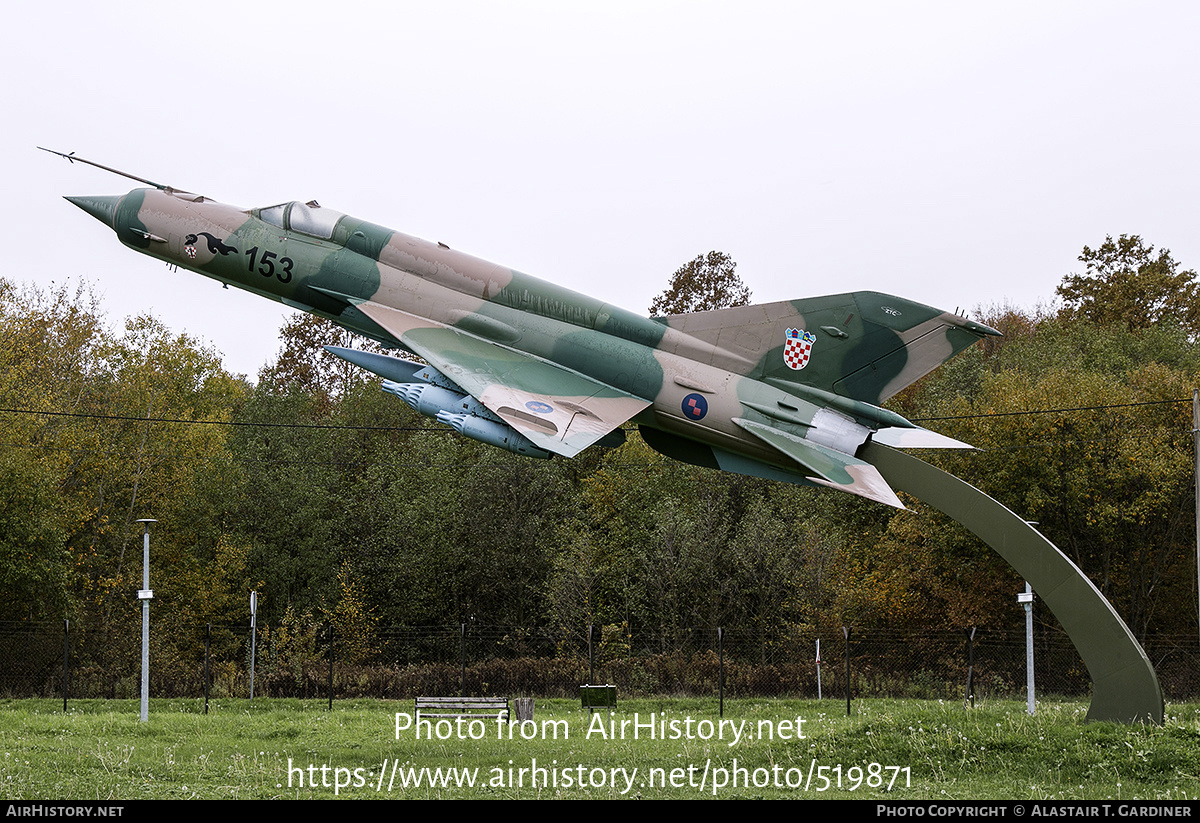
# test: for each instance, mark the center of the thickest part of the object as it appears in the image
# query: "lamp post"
(146, 595)
(253, 636)
(1026, 598)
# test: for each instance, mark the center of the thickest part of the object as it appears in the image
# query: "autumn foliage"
(339, 504)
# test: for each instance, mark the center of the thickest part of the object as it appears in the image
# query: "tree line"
(338, 503)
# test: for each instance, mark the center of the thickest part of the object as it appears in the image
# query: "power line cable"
(1053, 411)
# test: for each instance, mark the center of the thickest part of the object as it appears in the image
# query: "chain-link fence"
(43, 659)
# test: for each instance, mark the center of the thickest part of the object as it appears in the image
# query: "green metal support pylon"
(1124, 686)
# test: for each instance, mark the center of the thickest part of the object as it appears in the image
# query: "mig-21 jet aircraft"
(789, 391)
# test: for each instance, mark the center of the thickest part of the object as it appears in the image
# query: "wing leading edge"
(557, 409)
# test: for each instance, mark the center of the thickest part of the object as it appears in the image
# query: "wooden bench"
(456, 707)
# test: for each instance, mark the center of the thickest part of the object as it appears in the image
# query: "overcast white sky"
(953, 153)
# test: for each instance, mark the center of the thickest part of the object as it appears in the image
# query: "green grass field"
(898, 749)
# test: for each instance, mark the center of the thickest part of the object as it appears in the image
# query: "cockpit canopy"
(308, 218)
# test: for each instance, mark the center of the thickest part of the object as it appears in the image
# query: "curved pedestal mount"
(1124, 686)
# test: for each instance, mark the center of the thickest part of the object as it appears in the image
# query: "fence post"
(330, 666)
(846, 634)
(721, 668)
(462, 630)
(207, 653)
(591, 654)
(970, 696)
(818, 668)
(66, 659)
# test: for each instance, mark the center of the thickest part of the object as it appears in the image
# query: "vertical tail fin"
(865, 346)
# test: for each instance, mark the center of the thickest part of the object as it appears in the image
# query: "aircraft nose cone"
(102, 208)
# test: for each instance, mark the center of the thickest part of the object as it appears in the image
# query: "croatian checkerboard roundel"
(695, 406)
(797, 348)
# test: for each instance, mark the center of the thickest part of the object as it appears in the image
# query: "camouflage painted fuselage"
(784, 390)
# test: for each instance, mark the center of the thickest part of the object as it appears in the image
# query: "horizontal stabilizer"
(828, 467)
